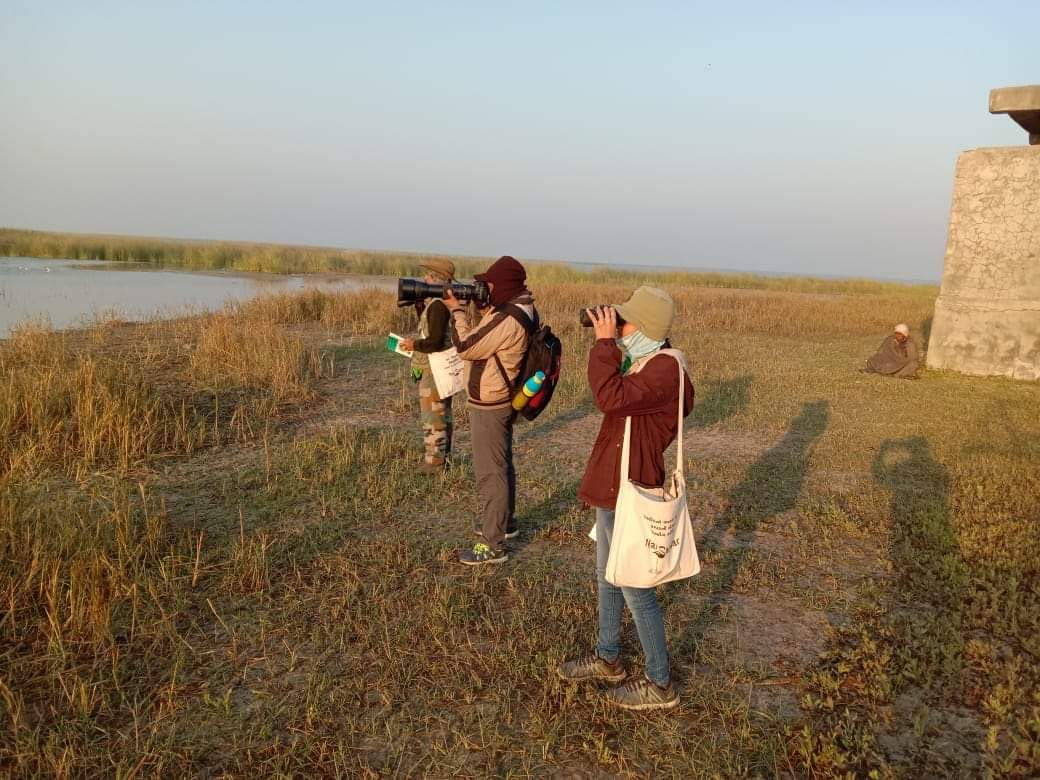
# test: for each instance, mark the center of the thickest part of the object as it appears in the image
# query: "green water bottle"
(528, 391)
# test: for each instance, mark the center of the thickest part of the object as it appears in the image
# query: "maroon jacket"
(651, 398)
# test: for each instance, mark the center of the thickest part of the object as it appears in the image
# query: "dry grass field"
(216, 558)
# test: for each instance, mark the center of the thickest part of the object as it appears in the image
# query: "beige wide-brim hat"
(903, 328)
(650, 309)
(438, 266)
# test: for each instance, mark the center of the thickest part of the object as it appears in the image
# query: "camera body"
(410, 291)
(586, 320)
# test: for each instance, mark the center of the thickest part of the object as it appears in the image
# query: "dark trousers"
(491, 431)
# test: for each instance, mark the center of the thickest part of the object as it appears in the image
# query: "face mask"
(637, 345)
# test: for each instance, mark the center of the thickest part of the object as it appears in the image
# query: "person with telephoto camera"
(493, 352)
(633, 373)
(435, 413)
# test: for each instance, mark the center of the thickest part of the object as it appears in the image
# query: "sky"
(804, 137)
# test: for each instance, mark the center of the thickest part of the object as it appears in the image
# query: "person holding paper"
(434, 336)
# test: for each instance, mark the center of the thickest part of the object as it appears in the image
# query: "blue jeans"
(642, 603)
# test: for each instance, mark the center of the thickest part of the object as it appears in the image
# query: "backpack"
(544, 353)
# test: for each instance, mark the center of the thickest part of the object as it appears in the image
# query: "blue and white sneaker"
(481, 554)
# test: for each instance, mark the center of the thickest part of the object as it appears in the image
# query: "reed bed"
(368, 313)
(210, 255)
(104, 403)
(281, 258)
(252, 355)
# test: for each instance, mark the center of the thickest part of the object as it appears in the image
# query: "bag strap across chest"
(530, 326)
(679, 466)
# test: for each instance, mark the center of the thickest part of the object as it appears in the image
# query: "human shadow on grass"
(721, 399)
(544, 427)
(928, 599)
(770, 487)
(716, 401)
(534, 519)
(931, 575)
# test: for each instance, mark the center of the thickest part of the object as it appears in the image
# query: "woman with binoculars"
(630, 377)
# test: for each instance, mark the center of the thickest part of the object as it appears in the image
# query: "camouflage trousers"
(435, 414)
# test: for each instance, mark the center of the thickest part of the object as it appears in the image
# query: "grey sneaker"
(642, 694)
(591, 667)
(482, 554)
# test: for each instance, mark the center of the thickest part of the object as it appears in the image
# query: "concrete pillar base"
(987, 317)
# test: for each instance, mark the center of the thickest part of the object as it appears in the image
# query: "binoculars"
(586, 320)
(411, 290)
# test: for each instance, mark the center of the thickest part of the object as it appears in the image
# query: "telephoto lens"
(586, 320)
(411, 290)
(477, 291)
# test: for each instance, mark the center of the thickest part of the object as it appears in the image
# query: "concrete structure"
(987, 317)
(1022, 104)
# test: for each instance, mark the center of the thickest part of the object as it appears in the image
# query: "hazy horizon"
(582, 265)
(812, 140)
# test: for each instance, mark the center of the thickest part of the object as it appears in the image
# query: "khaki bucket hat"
(438, 266)
(650, 309)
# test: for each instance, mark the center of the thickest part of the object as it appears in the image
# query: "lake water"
(71, 292)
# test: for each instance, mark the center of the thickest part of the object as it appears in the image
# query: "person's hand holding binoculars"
(604, 321)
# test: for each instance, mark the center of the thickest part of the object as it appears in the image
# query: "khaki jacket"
(493, 351)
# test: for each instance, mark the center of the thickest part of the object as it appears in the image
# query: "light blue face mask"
(636, 346)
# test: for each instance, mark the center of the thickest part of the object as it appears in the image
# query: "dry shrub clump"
(87, 402)
(364, 313)
(79, 411)
(90, 582)
(69, 562)
(254, 352)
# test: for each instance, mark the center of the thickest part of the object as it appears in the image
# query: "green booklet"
(393, 344)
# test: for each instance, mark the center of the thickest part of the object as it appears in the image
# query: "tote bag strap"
(623, 475)
(679, 466)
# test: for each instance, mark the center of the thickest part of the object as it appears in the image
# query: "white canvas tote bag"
(448, 371)
(652, 542)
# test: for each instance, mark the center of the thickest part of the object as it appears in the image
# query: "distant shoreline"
(254, 257)
(638, 268)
